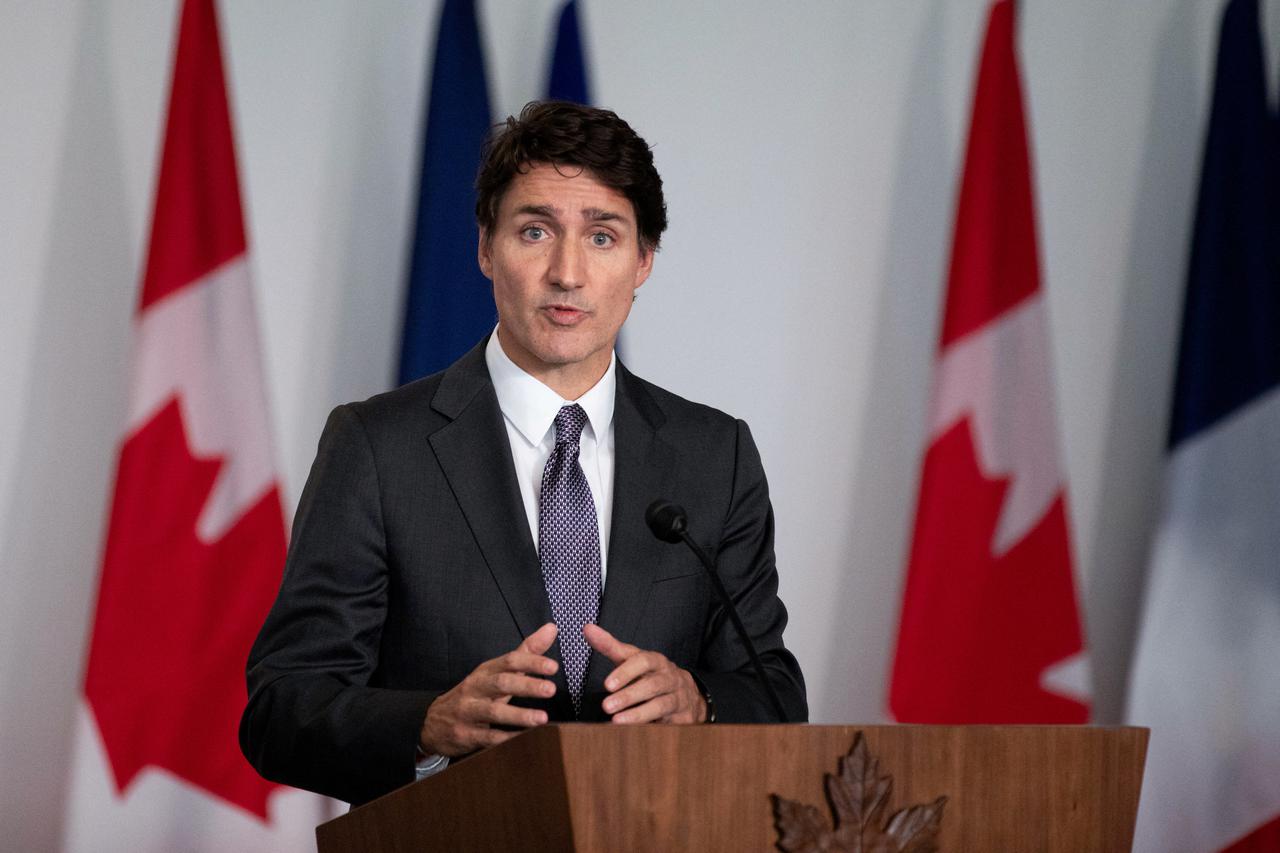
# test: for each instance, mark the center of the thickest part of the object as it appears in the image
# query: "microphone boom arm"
(733, 616)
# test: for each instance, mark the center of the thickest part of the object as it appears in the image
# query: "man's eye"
(601, 239)
(533, 232)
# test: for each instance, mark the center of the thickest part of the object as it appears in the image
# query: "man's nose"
(567, 265)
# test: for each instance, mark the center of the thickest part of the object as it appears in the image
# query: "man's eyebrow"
(596, 214)
(544, 210)
(590, 214)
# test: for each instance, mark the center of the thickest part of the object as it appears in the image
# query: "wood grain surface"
(1040, 789)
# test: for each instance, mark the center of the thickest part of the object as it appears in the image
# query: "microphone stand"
(676, 524)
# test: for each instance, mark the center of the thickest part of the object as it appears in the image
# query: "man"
(470, 556)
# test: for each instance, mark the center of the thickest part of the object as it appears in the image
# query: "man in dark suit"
(470, 556)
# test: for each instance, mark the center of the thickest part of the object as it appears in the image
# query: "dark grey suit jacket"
(411, 563)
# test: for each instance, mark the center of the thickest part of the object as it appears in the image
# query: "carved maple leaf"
(858, 795)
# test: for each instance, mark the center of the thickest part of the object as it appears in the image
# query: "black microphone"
(669, 523)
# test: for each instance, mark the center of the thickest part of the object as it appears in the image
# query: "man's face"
(565, 260)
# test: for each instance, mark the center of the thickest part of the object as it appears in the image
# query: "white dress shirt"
(529, 411)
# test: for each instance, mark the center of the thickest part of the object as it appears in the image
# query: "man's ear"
(646, 267)
(483, 255)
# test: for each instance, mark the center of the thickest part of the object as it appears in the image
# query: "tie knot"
(569, 423)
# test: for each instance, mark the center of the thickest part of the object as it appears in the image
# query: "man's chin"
(561, 351)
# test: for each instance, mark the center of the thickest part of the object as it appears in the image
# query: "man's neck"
(570, 381)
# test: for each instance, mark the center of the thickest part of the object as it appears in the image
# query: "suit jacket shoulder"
(430, 403)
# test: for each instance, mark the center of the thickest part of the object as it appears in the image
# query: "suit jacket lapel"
(475, 456)
(642, 467)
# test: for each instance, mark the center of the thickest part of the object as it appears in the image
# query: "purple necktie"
(569, 547)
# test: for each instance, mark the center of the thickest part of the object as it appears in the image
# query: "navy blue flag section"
(1204, 674)
(1230, 350)
(449, 306)
(568, 78)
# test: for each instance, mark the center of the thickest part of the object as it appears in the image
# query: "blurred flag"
(196, 541)
(990, 631)
(568, 78)
(449, 306)
(1206, 674)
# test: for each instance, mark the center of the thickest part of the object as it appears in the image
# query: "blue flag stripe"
(1230, 349)
(568, 78)
(449, 305)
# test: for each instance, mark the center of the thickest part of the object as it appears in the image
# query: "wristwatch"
(706, 697)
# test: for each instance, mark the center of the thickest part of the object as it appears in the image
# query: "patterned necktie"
(569, 547)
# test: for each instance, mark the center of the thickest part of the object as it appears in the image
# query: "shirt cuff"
(428, 765)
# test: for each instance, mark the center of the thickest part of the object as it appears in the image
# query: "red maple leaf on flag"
(176, 617)
(983, 636)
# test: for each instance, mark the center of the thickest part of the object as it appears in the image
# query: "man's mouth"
(564, 315)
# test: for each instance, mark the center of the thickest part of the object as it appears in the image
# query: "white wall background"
(811, 153)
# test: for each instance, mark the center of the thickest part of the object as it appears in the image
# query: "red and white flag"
(990, 630)
(196, 542)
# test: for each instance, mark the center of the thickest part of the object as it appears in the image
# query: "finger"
(520, 661)
(658, 708)
(501, 714)
(493, 737)
(478, 737)
(638, 692)
(635, 667)
(509, 684)
(540, 640)
(606, 644)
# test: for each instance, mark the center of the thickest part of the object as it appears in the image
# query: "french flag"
(1206, 674)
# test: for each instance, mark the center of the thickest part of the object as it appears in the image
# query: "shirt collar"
(531, 406)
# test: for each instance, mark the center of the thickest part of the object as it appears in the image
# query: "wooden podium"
(582, 787)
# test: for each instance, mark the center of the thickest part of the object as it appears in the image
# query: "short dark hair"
(565, 134)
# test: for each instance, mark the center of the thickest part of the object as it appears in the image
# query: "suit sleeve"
(746, 564)
(313, 720)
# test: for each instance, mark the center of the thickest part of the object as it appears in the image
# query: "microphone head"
(667, 520)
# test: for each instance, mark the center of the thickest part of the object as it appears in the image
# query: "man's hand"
(461, 721)
(646, 687)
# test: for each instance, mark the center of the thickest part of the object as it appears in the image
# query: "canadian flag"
(196, 541)
(990, 631)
